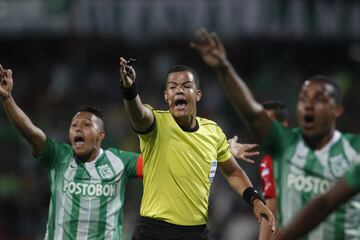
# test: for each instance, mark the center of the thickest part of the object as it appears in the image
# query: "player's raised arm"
(213, 53)
(240, 182)
(35, 136)
(140, 116)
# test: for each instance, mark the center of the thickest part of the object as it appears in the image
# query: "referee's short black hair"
(184, 68)
(336, 93)
(280, 111)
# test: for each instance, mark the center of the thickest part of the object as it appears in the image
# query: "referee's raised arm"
(140, 116)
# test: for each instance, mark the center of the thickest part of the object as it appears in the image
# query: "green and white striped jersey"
(302, 173)
(352, 177)
(86, 198)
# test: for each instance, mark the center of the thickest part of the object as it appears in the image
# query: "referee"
(181, 153)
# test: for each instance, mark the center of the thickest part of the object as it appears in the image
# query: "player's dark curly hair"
(94, 110)
(336, 93)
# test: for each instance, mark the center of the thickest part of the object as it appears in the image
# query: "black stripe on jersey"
(194, 129)
(213, 124)
(150, 129)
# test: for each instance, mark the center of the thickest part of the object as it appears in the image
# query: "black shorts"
(152, 229)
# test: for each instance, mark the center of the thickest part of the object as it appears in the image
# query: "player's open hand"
(6, 83)
(127, 73)
(261, 211)
(210, 48)
(242, 151)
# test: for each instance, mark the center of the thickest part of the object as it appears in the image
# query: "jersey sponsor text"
(89, 189)
(307, 184)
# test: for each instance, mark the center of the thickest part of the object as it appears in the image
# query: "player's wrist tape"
(250, 194)
(129, 93)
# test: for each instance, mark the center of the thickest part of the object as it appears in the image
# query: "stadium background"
(65, 54)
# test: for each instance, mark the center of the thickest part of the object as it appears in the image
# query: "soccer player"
(320, 207)
(87, 182)
(311, 158)
(181, 152)
(276, 111)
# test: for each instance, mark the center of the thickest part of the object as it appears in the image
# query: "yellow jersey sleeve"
(224, 153)
(151, 132)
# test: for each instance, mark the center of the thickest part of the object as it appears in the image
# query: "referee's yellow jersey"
(178, 169)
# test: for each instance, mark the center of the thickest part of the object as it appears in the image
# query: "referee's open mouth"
(180, 104)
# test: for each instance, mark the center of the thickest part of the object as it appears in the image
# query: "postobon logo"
(91, 189)
(307, 184)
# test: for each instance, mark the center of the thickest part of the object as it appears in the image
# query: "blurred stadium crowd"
(69, 57)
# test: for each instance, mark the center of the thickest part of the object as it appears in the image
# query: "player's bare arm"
(240, 182)
(140, 116)
(35, 136)
(323, 205)
(264, 232)
(242, 151)
(213, 53)
(262, 211)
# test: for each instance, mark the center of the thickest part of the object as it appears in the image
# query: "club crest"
(338, 165)
(105, 171)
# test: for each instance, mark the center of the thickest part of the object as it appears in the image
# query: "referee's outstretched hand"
(6, 83)
(261, 211)
(127, 73)
(210, 48)
(242, 151)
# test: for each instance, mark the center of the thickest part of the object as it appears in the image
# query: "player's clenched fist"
(6, 83)
(127, 73)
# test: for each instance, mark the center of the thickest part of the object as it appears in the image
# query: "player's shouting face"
(86, 133)
(317, 109)
(182, 94)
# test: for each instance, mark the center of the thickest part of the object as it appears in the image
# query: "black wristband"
(250, 194)
(129, 93)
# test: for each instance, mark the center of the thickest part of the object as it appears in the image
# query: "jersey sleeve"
(149, 139)
(150, 132)
(277, 140)
(54, 153)
(223, 148)
(354, 140)
(267, 177)
(133, 163)
(352, 177)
